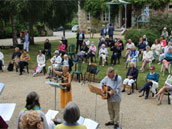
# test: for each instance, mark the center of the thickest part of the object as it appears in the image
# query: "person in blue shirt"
(167, 60)
(16, 58)
(151, 77)
(110, 31)
(26, 43)
(133, 56)
(103, 32)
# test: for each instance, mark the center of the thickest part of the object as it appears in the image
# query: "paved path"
(137, 112)
(57, 35)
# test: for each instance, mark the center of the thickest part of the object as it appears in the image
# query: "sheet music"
(81, 120)
(6, 110)
(2, 85)
(90, 124)
(51, 114)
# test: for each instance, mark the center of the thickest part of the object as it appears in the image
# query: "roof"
(115, 2)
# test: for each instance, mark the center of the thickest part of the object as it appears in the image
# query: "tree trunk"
(14, 34)
(63, 31)
(31, 34)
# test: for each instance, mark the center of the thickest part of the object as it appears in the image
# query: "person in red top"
(163, 42)
(62, 48)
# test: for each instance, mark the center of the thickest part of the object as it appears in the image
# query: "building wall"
(83, 23)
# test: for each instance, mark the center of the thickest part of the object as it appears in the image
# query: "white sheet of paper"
(81, 120)
(6, 110)
(51, 114)
(2, 85)
(90, 124)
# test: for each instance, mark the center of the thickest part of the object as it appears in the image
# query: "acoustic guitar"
(106, 90)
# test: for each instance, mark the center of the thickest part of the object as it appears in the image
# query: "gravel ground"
(137, 113)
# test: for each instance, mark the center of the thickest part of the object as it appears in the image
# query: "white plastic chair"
(169, 67)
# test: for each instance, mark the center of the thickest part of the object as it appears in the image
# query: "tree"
(8, 13)
(60, 13)
(32, 11)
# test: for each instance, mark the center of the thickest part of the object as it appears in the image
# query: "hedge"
(135, 34)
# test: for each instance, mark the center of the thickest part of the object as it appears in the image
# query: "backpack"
(92, 69)
(10, 66)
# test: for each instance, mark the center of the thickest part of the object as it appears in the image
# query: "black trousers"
(114, 57)
(78, 44)
(146, 88)
(90, 55)
(45, 52)
(0, 64)
(21, 65)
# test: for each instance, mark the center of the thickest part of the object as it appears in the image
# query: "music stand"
(97, 91)
(55, 85)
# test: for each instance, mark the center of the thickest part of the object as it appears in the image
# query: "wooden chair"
(78, 70)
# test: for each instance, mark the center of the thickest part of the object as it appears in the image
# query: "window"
(105, 17)
(88, 17)
(170, 7)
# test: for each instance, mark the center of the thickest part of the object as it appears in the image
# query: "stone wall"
(84, 25)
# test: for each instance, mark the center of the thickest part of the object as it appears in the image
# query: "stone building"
(132, 15)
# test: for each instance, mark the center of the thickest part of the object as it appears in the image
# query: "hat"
(56, 52)
(165, 28)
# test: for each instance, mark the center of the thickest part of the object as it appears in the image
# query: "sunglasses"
(151, 69)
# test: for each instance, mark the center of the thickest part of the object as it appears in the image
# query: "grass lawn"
(118, 68)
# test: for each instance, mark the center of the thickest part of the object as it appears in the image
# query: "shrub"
(135, 34)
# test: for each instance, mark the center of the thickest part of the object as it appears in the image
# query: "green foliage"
(60, 13)
(95, 7)
(135, 34)
(153, 3)
(158, 22)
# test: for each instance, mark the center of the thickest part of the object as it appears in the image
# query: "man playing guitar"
(113, 81)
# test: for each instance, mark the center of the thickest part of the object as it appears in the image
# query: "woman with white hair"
(65, 94)
(131, 77)
(71, 115)
(133, 56)
(103, 53)
(147, 57)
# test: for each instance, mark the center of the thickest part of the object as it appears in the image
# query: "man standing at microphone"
(114, 82)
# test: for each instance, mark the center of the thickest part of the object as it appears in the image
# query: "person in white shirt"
(147, 57)
(162, 55)
(167, 87)
(156, 49)
(56, 60)
(40, 61)
(1, 60)
(165, 33)
(129, 45)
(103, 53)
